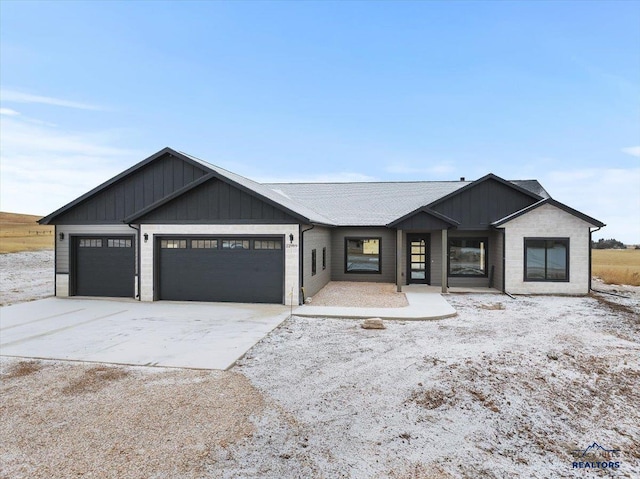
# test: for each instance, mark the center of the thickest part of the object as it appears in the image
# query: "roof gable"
(214, 199)
(477, 205)
(132, 190)
(423, 218)
(552, 202)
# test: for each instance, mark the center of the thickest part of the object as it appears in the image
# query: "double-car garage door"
(239, 269)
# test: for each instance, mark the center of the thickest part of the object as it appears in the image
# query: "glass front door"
(418, 259)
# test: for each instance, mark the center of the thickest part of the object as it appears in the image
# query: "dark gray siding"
(496, 254)
(479, 206)
(388, 253)
(317, 238)
(421, 221)
(133, 193)
(215, 201)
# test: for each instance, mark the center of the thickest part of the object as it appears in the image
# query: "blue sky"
(326, 91)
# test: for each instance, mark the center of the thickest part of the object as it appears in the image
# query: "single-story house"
(174, 227)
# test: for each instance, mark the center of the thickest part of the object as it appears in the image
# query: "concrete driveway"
(172, 334)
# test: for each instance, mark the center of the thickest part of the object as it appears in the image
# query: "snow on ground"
(491, 393)
(507, 389)
(25, 276)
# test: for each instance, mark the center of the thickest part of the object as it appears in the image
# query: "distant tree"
(608, 244)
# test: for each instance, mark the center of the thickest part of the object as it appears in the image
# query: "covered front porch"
(432, 251)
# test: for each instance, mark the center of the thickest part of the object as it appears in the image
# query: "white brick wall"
(552, 222)
(291, 282)
(62, 285)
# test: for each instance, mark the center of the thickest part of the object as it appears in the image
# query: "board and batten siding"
(388, 256)
(216, 201)
(63, 254)
(316, 238)
(478, 206)
(142, 188)
(547, 221)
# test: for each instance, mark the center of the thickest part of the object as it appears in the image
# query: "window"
(173, 244)
(324, 258)
(90, 243)
(235, 244)
(118, 243)
(267, 244)
(204, 244)
(468, 257)
(546, 259)
(362, 255)
(313, 262)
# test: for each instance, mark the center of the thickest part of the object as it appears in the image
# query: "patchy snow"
(508, 388)
(491, 393)
(26, 276)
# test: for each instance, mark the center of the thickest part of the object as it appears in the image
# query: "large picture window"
(546, 259)
(362, 255)
(468, 257)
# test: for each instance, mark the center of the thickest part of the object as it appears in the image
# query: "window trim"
(486, 257)
(567, 267)
(314, 262)
(346, 253)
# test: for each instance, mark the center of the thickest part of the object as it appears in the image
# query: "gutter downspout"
(138, 255)
(590, 250)
(302, 232)
(55, 261)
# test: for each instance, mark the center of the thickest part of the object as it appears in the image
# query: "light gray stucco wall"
(316, 238)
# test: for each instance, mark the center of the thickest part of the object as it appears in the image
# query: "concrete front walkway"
(423, 304)
(172, 334)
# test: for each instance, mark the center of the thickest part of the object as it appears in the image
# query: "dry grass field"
(617, 266)
(22, 233)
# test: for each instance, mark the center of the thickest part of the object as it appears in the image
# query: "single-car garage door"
(104, 266)
(241, 269)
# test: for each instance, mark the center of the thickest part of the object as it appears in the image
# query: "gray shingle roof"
(374, 204)
(299, 207)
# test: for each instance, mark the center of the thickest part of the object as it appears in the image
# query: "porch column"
(445, 249)
(399, 253)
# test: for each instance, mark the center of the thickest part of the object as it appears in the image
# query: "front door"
(418, 259)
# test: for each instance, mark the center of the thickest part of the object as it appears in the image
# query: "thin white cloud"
(632, 150)
(8, 112)
(20, 97)
(44, 167)
(610, 195)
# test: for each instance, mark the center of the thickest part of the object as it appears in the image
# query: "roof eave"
(489, 176)
(47, 219)
(552, 202)
(427, 210)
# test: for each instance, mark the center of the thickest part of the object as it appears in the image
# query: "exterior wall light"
(291, 238)
(146, 237)
(61, 236)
